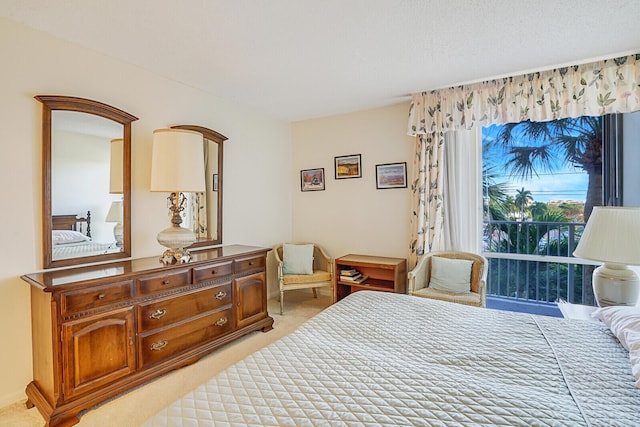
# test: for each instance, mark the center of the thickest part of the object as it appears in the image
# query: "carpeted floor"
(132, 408)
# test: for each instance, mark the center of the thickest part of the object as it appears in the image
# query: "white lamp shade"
(115, 212)
(177, 161)
(116, 169)
(612, 235)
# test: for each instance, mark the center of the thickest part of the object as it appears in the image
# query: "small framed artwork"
(348, 166)
(391, 175)
(215, 182)
(312, 179)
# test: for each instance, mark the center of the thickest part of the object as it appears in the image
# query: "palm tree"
(546, 146)
(538, 209)
(522, 200)
(494, 193)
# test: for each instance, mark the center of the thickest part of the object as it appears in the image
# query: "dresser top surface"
(49, 280)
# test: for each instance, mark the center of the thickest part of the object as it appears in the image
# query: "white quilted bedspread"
(386, 359)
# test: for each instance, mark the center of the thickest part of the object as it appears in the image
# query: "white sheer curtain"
(462, 188)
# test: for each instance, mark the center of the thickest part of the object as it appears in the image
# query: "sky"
(565, 183)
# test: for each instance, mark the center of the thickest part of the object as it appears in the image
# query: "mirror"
(86, 175)
(204, 210)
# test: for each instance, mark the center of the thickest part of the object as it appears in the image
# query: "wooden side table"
(383, 274)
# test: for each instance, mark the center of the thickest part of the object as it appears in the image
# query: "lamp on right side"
(612, 236)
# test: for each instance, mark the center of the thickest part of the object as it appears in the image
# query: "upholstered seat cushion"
(468, 298)
(317, 276)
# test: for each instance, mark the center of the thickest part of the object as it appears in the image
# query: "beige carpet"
(132, 408)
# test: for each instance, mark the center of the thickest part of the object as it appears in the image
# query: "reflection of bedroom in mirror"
(86, 177)
(204, 210)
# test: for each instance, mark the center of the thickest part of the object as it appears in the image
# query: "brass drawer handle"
(220, 295)
(213, 272)
(158, 313)
(157, 346)
(165, 282)
(221, 322)
(101, 296)
(250, 262)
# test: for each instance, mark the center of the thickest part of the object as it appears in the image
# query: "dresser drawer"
(213, 271)
(96, 296)
(163, 344)
(163, 281)
(161, 313)
(249, 263)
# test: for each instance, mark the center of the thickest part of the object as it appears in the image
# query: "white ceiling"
(300, 59)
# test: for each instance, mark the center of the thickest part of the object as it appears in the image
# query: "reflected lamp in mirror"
(115, 215)
(612, 236)
(116, 167)
(177, 166)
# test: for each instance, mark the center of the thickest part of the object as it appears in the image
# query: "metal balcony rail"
(533, 261)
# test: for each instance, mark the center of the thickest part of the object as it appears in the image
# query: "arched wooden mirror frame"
(219, 139)
(67, 103)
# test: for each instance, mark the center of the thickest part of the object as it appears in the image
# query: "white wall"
(257, 168)
(76, 154)
(351, 215)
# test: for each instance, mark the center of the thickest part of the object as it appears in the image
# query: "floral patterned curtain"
(594, 89)
(426, 188)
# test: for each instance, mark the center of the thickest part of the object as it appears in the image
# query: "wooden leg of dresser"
(268, 326)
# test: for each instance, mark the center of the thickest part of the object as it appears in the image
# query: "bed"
(387, 359)
(71, 237)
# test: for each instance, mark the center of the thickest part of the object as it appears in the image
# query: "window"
(540, 182)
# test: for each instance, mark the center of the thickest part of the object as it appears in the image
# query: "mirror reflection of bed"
(86, 183)
(71, 237)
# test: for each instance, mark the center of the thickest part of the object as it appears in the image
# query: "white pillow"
(61, 237)
(632, 338)
(297, 259)
(453, 275)
(618, 319)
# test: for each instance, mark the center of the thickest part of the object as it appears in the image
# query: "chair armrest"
(278, 260)
(418, 276)
(482, 290)
(322, 261)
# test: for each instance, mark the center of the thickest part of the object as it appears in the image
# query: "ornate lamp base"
(176, 238)
(175, 256)
(615, 284)
(118, 234)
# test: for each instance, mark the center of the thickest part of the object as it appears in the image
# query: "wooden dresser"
(104, 329)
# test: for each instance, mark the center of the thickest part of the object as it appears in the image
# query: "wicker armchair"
(322, 273)
(420, 277)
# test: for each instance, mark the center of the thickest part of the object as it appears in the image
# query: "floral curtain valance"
(592, 89)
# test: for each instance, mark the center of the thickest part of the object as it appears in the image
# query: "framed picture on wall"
(348, 166)
(391, 175)
(312, 179)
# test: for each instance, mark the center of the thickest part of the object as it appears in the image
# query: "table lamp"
(115, 215)
(612, 236)
(177, 166)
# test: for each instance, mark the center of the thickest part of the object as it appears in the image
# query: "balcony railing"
(532, 262)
